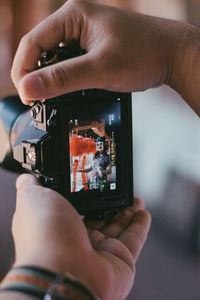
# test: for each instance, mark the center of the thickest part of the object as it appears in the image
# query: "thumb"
(63, 77)
(26, 180)
(32, 195)
(29, 193)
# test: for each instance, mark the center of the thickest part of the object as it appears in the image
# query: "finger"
(28, 188)
(45, 203)
(25, 185)
(118, 223)
(118, 249)
(122, 220)
(66, 76)
(95, 237)
(25, 180)
(48, 34)
(135, 235)
(94, 225)
(31, 194)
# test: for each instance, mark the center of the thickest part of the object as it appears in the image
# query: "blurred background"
(166, 160)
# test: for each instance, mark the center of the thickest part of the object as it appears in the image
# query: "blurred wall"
(7, 207)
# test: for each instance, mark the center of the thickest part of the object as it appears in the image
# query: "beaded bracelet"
(44, 284)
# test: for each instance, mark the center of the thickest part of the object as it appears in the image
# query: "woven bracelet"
(44, 284)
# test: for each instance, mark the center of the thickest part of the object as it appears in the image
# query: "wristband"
(44, 284)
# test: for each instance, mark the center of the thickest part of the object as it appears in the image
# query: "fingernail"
(27, 102)
(31, 103)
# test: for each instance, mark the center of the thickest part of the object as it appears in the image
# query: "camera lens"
(10, 109)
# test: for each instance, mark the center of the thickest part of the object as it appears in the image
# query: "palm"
(121, 276)
(117, 246)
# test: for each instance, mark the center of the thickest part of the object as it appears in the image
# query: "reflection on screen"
(93, 146)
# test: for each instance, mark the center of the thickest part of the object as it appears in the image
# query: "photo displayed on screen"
(93, 154)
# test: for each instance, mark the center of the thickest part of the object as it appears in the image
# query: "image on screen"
(93, 145)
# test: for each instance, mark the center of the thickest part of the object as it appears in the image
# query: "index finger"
(45, 36)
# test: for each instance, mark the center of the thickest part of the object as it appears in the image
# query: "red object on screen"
(84, 181)
(75, 171)
(80, 145)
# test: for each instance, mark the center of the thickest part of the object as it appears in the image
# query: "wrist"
(78, 268)
(184, 76)
(53, 265)
(42, 283)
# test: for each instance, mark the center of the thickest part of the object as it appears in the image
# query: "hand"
(49, 232)
(126, 51)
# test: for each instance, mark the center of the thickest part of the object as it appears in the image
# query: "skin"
(126, 51)
(105, 250)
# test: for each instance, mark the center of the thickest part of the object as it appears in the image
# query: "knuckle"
(76, 3)
(28, 41)
(128, 212)
(25, 40)
(122, 222)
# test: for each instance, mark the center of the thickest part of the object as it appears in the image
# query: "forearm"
(185, 73)
(86, 170)
(36, 282)
(15, 296)
(107, 171)
(178, 58)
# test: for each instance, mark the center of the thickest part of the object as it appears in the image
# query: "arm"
(107, 171)
(126, 52)
(86, 170)
(52, 235)
(15, 296)
(185, 76)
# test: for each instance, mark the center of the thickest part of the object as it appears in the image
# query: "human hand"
(48, 232)
(126, 51)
